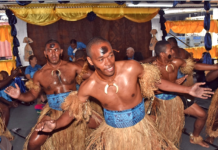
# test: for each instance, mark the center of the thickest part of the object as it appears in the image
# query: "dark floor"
(25, 117)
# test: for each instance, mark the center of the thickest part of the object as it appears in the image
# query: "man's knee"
(36, 141)
(202, 114)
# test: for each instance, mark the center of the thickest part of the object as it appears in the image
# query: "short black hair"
(80, 54)
(173, 40)
(31, 57)
(52, 41)
(160, 47)
(94, 41)
(73, 41)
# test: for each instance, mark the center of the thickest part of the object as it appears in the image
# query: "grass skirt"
(142, 136)
(169, 117)
(71, 137)
(211, 119)
(189, 80)
(4, 132)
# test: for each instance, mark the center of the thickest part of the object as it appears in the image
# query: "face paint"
(52, 45)
(104, 50)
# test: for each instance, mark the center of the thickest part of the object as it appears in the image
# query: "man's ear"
(45, 53)
(61, 52)
(90, 61)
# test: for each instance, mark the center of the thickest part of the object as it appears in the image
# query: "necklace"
(109, 83)
(59, 72)
(166, 65)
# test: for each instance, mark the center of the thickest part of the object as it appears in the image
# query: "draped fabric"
(45, 14)
(6, 44)
(198, 51)
(207, 38)
(12, 20)
(190, 26)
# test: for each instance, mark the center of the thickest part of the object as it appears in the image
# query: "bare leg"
(201, 116)
(37, 139)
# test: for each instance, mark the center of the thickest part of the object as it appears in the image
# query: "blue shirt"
(31, 70)
(71, 52)
(4, 95)
(131, 58)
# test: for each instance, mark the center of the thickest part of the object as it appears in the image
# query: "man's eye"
(100, 59)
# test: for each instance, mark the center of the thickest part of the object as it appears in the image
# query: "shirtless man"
(116, 87)
(212, 120)
(57, 79)
(169, 70)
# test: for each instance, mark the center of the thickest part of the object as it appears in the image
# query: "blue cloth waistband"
(180, 74)
(55, 100)
(125, 118)
(166, 96)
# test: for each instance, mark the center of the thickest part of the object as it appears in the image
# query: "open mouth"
(110, 69)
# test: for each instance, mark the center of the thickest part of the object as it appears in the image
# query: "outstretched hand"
(46, 126)
(13, 92)
(200, 92)
(181, 80)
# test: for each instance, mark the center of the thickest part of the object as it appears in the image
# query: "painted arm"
(212, 75)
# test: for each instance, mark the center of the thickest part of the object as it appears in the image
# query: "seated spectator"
(74, 46)
(131, 54)
(32, 68)
(5, 98)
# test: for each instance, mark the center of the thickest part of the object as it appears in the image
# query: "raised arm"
(7, 81)
(194, 90)
(205, 67)
(29, 96)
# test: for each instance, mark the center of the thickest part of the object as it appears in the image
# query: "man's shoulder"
(125, 64)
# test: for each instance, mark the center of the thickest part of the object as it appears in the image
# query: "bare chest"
(119, 95)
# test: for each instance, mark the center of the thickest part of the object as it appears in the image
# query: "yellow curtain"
(5, 35)
(36, 14)
(197, 51)
(190, 26)
(7, 65)
(45, 14)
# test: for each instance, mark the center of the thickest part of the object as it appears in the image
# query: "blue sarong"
(125, 118)
(55, 100)
(166, 96)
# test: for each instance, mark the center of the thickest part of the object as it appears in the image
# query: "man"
(212, 120)
(117, 89)
(4, 105)
(170, 104)
(57, 79)
(74, 46)
(131, 54)
(4, 98)
(178, 52)
(32, 68)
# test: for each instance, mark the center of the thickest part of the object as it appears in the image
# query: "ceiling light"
(144, 4)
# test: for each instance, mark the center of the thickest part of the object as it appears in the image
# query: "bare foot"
(210, 139)
(202, 143)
